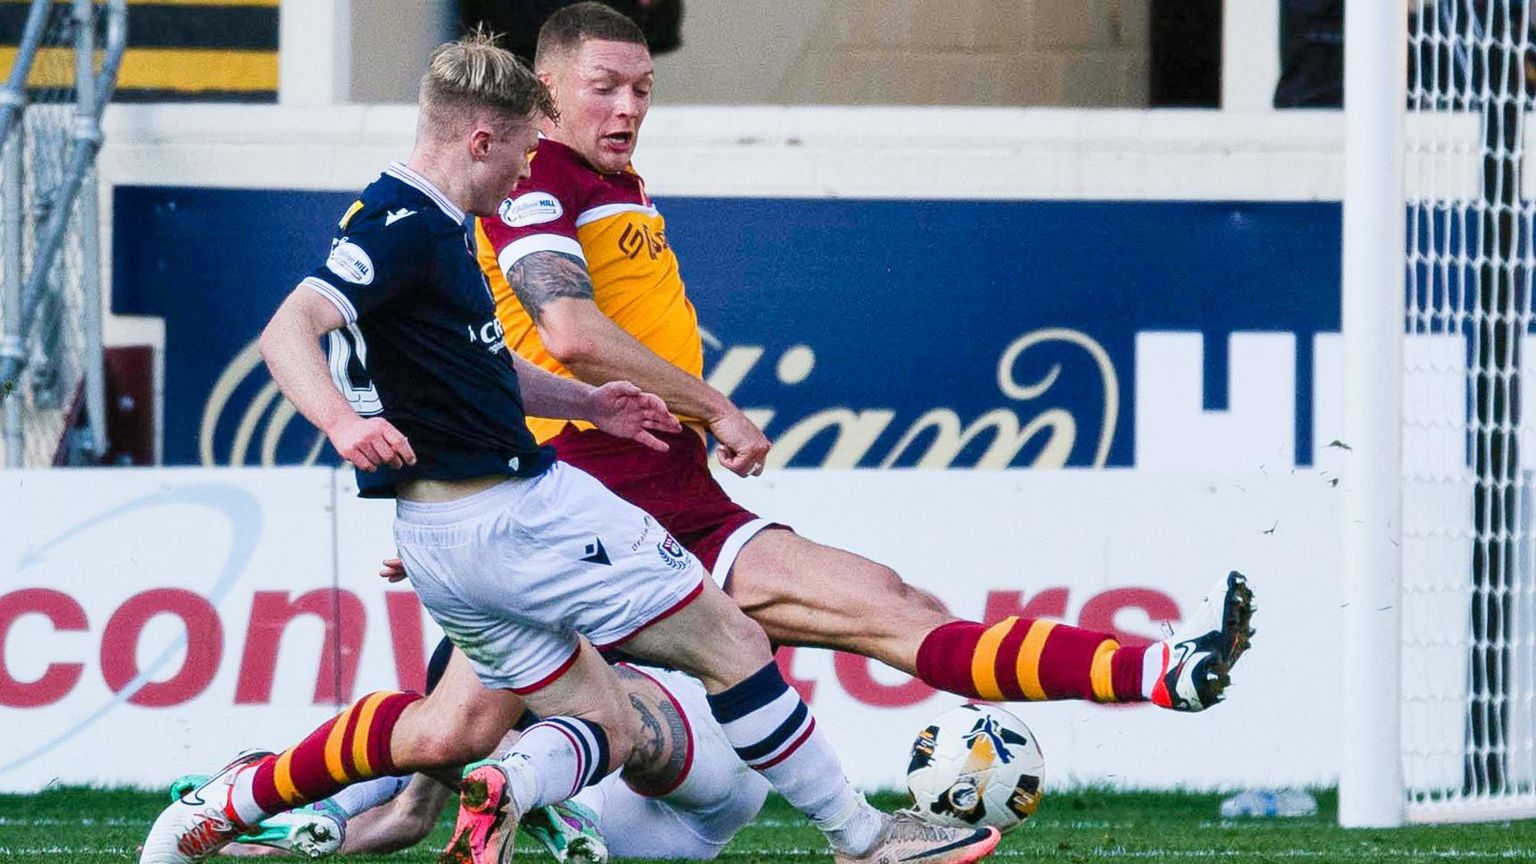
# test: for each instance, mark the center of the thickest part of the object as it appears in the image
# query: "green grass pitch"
(79, 825)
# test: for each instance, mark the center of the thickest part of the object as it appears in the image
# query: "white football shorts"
(516, 573)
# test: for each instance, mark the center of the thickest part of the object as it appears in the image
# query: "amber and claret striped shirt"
(607, 221)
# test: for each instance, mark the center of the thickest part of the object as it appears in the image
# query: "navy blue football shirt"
(422, 346)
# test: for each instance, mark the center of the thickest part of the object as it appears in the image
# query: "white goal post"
(1439, 255)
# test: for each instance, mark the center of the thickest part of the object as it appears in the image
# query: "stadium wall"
(1149, 294)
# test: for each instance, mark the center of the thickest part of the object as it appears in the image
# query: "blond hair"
(473, 75)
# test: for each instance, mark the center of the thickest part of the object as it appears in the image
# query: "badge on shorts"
(673, 553)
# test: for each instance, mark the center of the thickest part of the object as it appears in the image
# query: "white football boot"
(200, 822)
(904, 836)
(569, 831)
(1198, 658)
(315, 830)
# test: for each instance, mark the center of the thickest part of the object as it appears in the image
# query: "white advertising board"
(105, 572)
(1107, 550)
(144, 619)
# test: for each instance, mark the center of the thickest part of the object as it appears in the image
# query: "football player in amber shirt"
(587, 285)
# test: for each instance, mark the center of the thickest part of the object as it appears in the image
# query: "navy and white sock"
(553, 760)
(774, 733)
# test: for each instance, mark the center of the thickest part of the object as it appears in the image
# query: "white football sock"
(774, 733)
(553, 760)
(1152, 667)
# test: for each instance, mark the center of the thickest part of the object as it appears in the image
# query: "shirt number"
(348, 355)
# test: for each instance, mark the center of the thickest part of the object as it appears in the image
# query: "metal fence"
(51, 369)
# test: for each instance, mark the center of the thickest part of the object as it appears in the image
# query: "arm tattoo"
(540, 277)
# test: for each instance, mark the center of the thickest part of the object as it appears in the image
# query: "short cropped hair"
(473, 74)
(568, 28)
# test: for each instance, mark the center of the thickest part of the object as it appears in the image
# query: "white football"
(976, 765)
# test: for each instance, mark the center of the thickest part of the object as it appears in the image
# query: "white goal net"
(1469, 565)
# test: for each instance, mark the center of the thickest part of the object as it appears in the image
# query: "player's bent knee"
(711, 639)
(475, 736)
(448, 752)
(878, 583)
(746, 638)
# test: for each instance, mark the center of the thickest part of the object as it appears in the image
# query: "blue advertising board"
(859, 333)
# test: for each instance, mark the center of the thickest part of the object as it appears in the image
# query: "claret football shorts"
(517, 573)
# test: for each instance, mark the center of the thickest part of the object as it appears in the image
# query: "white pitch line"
(111, 822)
(1095, 852)
(1320, 854)
(1099, 824)
(1210, 854)
(64, 850)
(1054, 823)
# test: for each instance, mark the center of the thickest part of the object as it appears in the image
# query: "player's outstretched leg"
(804, 593)
(349, 748)
(1035, 659)
(325, 827)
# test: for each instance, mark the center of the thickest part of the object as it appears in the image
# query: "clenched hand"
(742, 446)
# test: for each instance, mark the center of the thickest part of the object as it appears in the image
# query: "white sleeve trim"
(329, 292)
(525, 246)
(587, 217)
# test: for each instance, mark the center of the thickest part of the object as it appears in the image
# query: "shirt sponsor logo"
(640, 238)
(350, 262)
(490, 334)
(533, 208)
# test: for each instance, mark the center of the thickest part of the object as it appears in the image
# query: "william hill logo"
(246, 421)
(534, 208)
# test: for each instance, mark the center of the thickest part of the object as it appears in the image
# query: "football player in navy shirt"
(530, 567)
